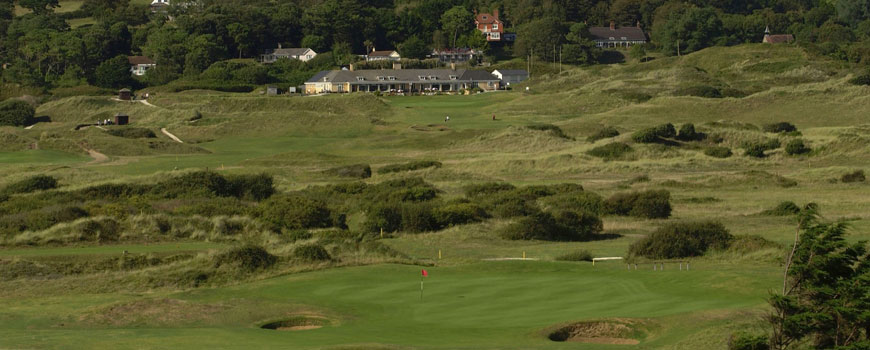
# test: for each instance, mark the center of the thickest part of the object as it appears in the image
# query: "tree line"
(39, 48)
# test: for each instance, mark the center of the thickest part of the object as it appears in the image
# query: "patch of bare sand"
(620, 332)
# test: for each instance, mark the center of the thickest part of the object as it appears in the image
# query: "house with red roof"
(490, 25)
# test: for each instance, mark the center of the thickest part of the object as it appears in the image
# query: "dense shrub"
(681, 240)
(383, 217)
(311, 252)
(705, 91)
(654, 134)
(784, 208)
(579, 255)
(755, 151)
(31, 184)
(745, 341)
(418, 217)
(509, 204)
(576, 201)
(653, 204)
(779, 127)
(458, 214)
(855, 176)
(221, 206)
(15, 112)
(610, 151)
(196, 183)
(488, 188)
(247, 257)
(796, 146)
(357, 171)
(132, 132)
(688, 133)
(744, 244)
(295, 212)
(718, 152)
(252, 187)
(603, 133)
(552, 129)
(565, 226)
(861, 79)
(421, 164)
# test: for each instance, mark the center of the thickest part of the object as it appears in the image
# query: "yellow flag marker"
(439, 253)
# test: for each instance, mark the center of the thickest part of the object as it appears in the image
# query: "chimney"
(351, 67)
(638, 24)
(612, 25)
(495, 13)
(279, 45)
(397, 65)
(453, 65)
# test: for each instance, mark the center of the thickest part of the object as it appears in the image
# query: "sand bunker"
(298, 323)
(621, 332)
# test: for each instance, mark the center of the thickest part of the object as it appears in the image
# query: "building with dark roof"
(614, 36)
(401, 80)
(456, 55)
(140, 64)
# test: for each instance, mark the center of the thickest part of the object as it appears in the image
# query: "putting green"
(504, 305)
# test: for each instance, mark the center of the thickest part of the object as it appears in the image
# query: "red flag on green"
(424, 273)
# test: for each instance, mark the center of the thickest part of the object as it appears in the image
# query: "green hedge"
(610, 151)
(410, 166)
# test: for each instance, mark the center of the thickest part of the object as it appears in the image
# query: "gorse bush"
(255, 187)
(577, 201)
(579, 255)
(15, 112)
(459, 214)
(422, 164)
(295, 212)
(754, 151)
(132, 132)
(247, 257)
(718, 152)
(565, 226)
(855, 176)
(655, 134)
(688, 133)
(610, 151)
(781, 127)
(705, 91)
(311, 252)
(744, 244)
(784, 208)
(796, 147)
(552, 129)
(653, 204)
(682, 240)
(604, 133)
(861, 79)
(31, 184)
(383, 217)
(745, 341)
(357, 171)
(486, 189)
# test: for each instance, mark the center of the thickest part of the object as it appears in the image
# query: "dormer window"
(495, 26)
(381, 78)
(453, 77)
(360, 78)
(612, 38)
(624, 38)
(421, 77)
(325, 79)
(392, 78)
(484, 17)
(432, 77)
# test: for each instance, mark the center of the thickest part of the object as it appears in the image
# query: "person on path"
(447, 118)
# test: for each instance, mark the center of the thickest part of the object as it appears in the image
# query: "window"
(612, 38)
(483, 17)
(453, 77)
(624, 38)
(308, 57)
(360, 78)
(495, 26)
(392, 78)
(421, 77)
(432, 77)
(380, 78)
(495, 35)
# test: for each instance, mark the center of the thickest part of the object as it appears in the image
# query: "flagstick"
(421, 287)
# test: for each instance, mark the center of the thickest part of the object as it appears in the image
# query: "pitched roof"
(401, 76)
(383, 53)
(462, 51)
(292, 51)
(779, 38)
(606, 33)
(135, 60)
(486, 18)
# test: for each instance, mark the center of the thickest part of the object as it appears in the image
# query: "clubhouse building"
(401, 81)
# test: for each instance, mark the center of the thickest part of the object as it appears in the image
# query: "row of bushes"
(421, 217)
(410, 166)
(658, 133)
(564, 226)
(652, 204)
(15, 112)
